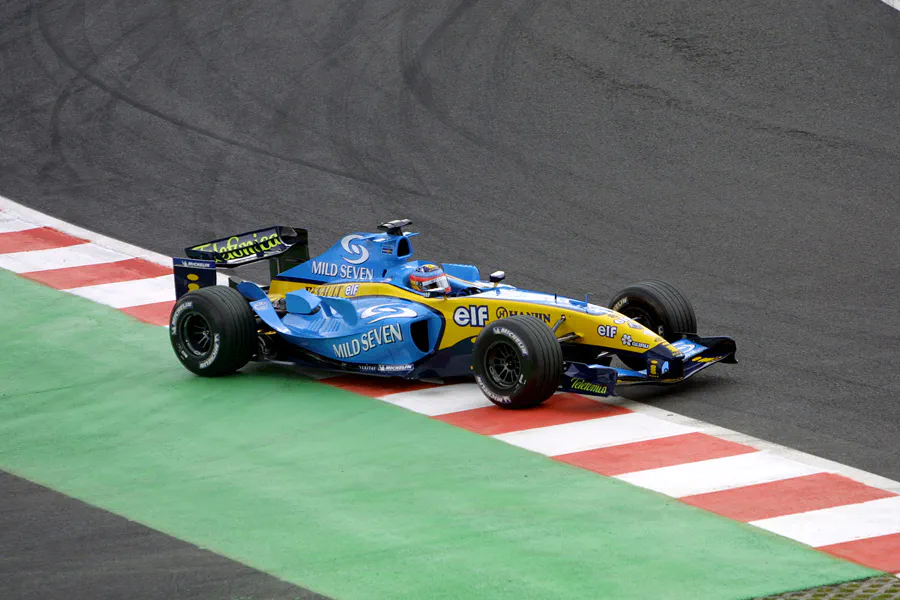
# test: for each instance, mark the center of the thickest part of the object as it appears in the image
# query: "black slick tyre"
(518, 362)
(658, 306)
(213, 331)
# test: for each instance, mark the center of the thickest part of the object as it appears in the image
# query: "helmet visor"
(438, 283)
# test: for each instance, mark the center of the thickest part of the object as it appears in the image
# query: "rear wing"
(284, 247)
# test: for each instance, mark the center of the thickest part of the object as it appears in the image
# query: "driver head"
(429, 279)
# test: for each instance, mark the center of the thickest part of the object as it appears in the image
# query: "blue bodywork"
(370, 333)
(367, 331)
(359, 257)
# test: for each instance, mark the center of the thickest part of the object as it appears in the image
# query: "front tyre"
(518, 362)
(213, 331)
(658, 306)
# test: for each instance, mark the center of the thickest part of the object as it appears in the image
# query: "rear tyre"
(517, 361)
(658, 306)
(213, 331)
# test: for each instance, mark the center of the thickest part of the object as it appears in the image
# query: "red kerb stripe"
(376, 387)
(653, 454)
(882, 552)
(155, 314)
(39, 238)
(123, 270)
(560, 408)
(786, 497)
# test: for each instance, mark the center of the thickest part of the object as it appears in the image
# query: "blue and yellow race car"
(365, 306)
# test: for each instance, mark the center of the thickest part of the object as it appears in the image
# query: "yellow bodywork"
(588, 327)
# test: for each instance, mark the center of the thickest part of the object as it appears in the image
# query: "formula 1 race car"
(363, 306)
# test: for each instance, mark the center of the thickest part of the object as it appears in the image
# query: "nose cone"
(667, 350)
(628, 333)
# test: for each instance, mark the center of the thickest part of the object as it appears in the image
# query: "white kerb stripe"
(9, 224)
(595, 433)
(718, 474)
(130, 293)
(839, 524)
(441, 400)
(24, 213)
(59, 258)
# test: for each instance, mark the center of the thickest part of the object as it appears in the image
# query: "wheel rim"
(502, 365)
(196, 333)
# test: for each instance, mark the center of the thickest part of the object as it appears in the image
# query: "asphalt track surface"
(57, 547)
(750, 156)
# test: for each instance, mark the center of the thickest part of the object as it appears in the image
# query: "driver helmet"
(430, 279)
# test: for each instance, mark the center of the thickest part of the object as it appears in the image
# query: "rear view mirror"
(497, 277)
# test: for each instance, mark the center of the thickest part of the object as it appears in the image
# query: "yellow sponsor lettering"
(706, 359)
(675, 351)
(328, 291)
(587, 386)
(234, 247)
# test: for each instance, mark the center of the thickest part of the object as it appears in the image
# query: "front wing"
(602, 380)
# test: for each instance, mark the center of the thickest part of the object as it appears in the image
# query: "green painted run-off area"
(344, 494)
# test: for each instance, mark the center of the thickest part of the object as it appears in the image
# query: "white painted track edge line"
(80, 255)
(34, 216)
(601, 432)
(838, 524)
(40, 219)
(44, 220)
(10, 223)
(718, 474)
(823, 464)
(127, 294)
(442, 400)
